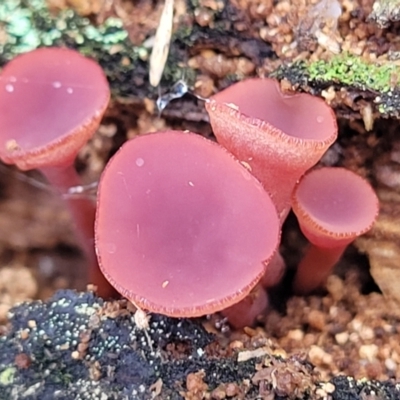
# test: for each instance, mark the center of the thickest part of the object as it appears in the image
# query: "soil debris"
(62, 354)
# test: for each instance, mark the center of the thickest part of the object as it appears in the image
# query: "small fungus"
(51, 103)
(334, 206)
(182, 228)
(278, 135)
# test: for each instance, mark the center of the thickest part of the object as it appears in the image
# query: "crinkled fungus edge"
(280, 136)
(187, 312)
(49, 155)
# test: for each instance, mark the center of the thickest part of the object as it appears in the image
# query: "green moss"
(349, 70)
(377, 83)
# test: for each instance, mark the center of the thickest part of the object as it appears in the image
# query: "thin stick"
(162, 41)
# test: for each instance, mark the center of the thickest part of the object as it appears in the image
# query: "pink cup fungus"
(51, 103)
(278, 136)
(182, 228)
(334, 206)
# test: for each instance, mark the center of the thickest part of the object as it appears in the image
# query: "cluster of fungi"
(184, 226)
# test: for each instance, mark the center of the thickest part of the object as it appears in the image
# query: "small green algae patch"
(7, 376)
(350, 70)
(28, 24)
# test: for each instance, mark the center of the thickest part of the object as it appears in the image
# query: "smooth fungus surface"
(182, 227)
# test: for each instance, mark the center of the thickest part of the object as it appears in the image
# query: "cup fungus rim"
(233, 111)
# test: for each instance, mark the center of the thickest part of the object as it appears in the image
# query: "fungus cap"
(334, 206)
(290, 117)
(182, 228)
(280, 136)
(51, 102)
